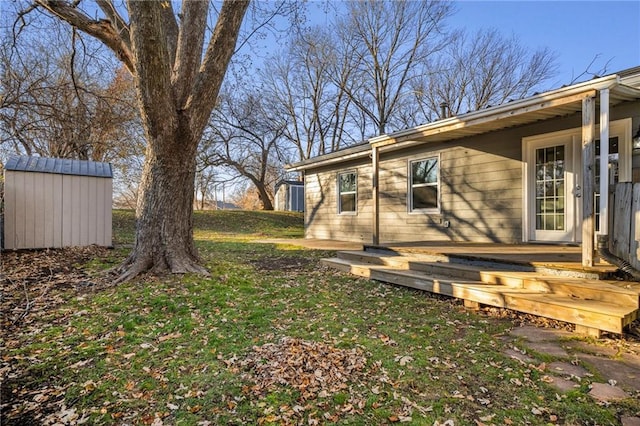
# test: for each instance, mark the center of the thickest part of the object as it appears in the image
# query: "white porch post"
(375, 157)
(604, 162)
(588, 178)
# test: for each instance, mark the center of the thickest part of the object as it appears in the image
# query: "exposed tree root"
(134, 266)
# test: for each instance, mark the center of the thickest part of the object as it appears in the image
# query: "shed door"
(552, 191)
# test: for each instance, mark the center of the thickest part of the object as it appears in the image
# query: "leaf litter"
(316, 370)
(35, 284)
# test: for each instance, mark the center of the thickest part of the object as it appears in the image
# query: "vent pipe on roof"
(444, 110)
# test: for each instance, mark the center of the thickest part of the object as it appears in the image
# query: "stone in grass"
(566, 369)
(517, 355)
(562, 385)
(630, 421)
(606, 393)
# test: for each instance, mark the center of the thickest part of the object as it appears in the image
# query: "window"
(424, 185)
(347, 192)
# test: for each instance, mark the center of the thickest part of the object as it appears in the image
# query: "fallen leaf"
(169, 336)
(89, 386)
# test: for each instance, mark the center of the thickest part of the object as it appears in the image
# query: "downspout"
(603, 236)
(605, 254)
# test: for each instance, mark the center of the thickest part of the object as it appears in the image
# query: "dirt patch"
(36, 281)
(280, 263)
(35, 284)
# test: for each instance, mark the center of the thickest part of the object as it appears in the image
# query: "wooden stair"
(593, 305)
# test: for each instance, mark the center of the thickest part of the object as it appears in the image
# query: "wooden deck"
(544, 280)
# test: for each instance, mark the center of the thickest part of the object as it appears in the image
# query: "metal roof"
(62, 166)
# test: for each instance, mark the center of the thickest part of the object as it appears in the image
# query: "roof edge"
(351, 153)
(61, 166)
(596, 84)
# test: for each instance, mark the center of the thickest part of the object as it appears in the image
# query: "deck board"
(495, 280)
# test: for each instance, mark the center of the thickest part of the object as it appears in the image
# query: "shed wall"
(46, 210)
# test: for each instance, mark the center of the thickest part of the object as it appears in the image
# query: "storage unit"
(53, 202)
(290, 196)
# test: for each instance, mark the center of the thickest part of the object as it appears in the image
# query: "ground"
(272, 337)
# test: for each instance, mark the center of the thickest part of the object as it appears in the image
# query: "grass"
(173, 350)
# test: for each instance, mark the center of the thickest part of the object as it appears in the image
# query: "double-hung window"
(347, 192)
(424, 185)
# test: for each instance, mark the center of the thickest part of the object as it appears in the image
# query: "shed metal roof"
(63, 166)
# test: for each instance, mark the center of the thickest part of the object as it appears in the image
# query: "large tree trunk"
(177, 87)
(164, 226)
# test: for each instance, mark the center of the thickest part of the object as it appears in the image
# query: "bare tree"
(54, 104)
(306, 85)
(177, 78)
(392, 40)
(482, 70)
(244, 136)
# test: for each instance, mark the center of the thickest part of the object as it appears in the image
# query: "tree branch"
(219, 52)
(118, 23)
(103, 30)
(190, 40)
(171, 28)
(153, 70)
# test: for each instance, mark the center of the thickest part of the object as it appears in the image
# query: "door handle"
(578, 194)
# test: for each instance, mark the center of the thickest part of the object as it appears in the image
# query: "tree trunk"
(164, 226)
(264, 197)
(177, 87)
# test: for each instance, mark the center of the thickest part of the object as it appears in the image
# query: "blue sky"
(576, 30)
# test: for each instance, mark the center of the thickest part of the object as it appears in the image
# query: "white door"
(551, 189)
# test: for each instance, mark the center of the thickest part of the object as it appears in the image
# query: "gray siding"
(480, 193)
(481, 189)
(322, 219)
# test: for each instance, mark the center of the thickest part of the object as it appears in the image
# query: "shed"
(53, 202)
(290, 196)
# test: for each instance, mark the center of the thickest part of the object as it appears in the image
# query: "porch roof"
(556, 103)
(561, 102)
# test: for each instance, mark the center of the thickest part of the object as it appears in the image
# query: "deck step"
(596, 314)
(559, 269)
(586, 289)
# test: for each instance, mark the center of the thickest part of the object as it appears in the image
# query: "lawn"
(271, 337)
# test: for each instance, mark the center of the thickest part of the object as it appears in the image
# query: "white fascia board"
(359, 151)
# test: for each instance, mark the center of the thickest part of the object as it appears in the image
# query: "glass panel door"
(550, 188)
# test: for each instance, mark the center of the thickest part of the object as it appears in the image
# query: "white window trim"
(340, 212)
(410, 208)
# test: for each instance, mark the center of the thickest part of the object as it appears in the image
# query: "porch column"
(604, 162)
(588, 178)
(375, 157)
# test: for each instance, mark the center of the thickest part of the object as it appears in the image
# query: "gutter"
(352, 153)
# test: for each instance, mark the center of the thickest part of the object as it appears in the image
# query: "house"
(500, 206)
(523, 172)
(289, 196)
(54, 202)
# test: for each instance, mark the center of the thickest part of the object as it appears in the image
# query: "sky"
(577, 31)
